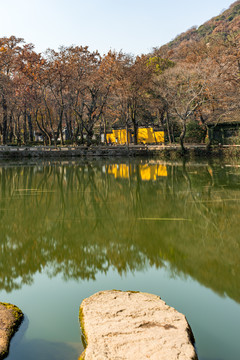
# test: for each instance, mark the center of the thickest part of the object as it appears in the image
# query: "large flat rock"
(133, 325)
(10, 318)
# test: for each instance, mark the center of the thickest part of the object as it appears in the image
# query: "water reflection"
(81, 218)
(43, 349)
(149, 171)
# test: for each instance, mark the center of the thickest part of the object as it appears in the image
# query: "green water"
(69, 229)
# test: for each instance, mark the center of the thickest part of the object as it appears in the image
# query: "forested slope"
(219, 27)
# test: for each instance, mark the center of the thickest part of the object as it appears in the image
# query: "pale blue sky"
(133, 26)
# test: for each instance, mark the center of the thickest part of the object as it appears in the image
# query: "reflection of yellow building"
(161, 170)
(144, 135)
(152, 172)
(119, 170)
(147, 171)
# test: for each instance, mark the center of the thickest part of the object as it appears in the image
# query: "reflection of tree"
(76, 219)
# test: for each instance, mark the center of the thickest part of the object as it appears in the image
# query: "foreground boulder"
(10, 318)
(133, 325)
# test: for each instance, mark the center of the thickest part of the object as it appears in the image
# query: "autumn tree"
(182, 89)
(9, 50)
(133, 80)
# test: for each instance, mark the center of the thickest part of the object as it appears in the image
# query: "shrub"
(195, 133)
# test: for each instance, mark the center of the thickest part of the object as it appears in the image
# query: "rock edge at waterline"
(10, 319)
(134, 325)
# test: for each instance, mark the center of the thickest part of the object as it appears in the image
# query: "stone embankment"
(73, 151)
(133, 326)
(10, 319)
(161, 151)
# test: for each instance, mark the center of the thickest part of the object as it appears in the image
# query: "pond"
(71, 228)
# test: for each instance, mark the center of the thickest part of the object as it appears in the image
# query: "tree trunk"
(44, 132)
(4, 125)
(172, 132)
(168, 128)
(60, 130)
(135, 133)
(75, 135)
(25, 127)
(209, 139)
(127, 131)
(30, 127)
(69, 133)
(89, 137)
(10, 128)
(81, 131)
(55, 136)
(105, 130)
(132, 116)
(182, 136)
(18, 131)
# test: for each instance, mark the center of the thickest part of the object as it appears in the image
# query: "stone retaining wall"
(161, 151)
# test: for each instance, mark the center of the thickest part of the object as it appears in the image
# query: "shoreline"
(171, 152)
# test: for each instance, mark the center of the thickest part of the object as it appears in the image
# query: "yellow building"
(145, 135)
(118, 137)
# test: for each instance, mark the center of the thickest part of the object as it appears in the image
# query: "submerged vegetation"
(73, 95)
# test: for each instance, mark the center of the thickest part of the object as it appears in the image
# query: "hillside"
(221, 26)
